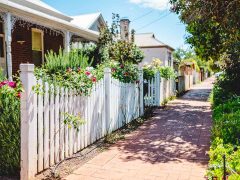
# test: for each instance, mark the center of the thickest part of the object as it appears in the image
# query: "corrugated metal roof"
(31, 9)
(40, 6)
(86, 20)
(148, 40)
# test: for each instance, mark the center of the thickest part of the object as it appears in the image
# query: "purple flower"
(12, 84)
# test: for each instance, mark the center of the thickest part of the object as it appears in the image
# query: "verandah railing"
(46, 139)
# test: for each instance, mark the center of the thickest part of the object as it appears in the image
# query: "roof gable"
(87, 20)
(149, 40)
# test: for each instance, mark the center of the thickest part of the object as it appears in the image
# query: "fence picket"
(56, 124)
(70, 130)
(76, 114)
(40, 128)
(52, 125)
(46, 126)
(66, 149)
(61, 124)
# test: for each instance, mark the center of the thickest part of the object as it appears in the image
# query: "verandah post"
(28, 123)
(8, 39)
(107, 100)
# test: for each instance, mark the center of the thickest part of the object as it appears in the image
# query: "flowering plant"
(69, 70)
(81, 79)
(10, 88)
(9, 125)
(149, 70)
(127, 72)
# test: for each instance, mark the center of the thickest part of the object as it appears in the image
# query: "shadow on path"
(172, 145)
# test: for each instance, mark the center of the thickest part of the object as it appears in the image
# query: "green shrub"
(220, 95)
(126, 72)
(123, 51)
(225, 133)
(59, 62)
(149, 72)
(167, 72)
(2, 76)
(151, 69)
(232, 154)
(69, 70)
(226, 120)
(72, 70)
(9, 128)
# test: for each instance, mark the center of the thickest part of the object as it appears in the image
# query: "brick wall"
(22, 53)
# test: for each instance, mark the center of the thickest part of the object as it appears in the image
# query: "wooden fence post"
(107, 100)
(28, 123)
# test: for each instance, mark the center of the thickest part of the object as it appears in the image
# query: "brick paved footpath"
(172, 145)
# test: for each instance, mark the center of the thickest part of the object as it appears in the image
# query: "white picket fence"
(46, 139)
(158, 90)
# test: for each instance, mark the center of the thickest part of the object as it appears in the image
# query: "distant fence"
(158, 89)
(186, 82)
(46, 139)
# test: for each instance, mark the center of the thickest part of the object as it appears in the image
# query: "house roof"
(87, 20)
(42, 7)
(36, 10)
(145, 40)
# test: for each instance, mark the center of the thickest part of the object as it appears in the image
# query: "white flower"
(90, 76)
(89, 68)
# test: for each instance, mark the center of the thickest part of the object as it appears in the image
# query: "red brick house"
(30, 28)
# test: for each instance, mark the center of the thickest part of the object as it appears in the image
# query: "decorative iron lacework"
(3, 15)
(26, 22)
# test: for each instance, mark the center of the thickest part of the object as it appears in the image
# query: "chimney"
(124, 29)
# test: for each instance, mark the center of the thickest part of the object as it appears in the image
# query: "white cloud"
(155, 4)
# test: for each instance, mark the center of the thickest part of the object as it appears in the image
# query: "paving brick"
(172, 145)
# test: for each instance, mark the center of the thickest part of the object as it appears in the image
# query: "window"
(1, 27)
(37, 46)
(36, 40)
(169, 59)
(1, 46)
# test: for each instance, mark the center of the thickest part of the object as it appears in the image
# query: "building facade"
(153, 48)
(29, 29)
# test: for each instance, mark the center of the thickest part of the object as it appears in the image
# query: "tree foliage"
(214, 28)
(180, 54)
(110, 47)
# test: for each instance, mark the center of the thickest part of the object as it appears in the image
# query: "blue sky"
(166, 27)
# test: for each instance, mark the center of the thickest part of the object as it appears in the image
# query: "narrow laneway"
(172, 145)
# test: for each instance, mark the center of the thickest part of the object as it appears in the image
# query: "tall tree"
(214, 28)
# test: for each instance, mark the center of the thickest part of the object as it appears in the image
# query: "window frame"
(169, 58)
(42, 40)
(4, 50)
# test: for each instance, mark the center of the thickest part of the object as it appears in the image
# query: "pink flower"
(122, 66)
(94, 79)
(19, 95)
(12, 84)
(3, 83)
(87, 73)
(113, 69)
